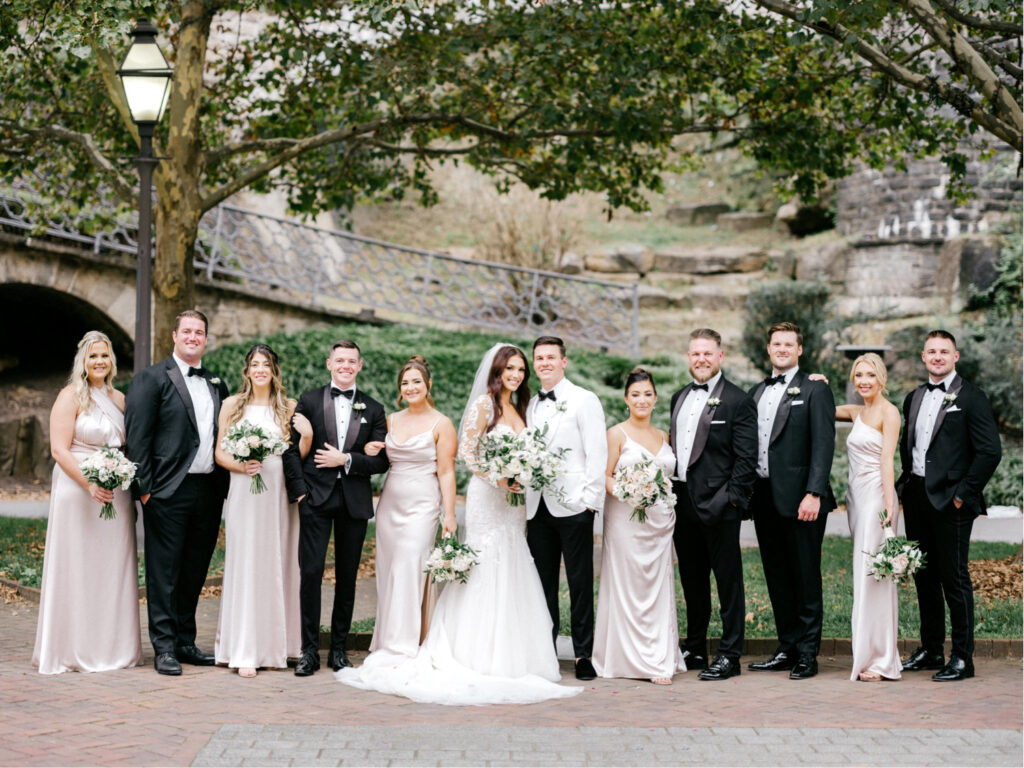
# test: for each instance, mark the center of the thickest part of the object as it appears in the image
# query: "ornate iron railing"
(318, 267)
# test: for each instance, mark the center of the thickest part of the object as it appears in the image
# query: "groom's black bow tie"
(932, 387)
(200, 371)
(349, 393)
(542, 395)
(781, 378)
(703, 386)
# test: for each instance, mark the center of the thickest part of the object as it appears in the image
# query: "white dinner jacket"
(580, 428)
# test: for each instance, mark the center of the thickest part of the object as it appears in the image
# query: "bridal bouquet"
(524, 458)
(642, 485)
(897, 559)
(450, 561)
(109, 469)
(246, 441)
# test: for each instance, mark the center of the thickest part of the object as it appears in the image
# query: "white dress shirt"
(202, 404)
(767, 408)
(926, 415)
(342, 417)
(545, 409)
(687, 420)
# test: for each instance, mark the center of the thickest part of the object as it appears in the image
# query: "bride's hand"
(373, 448)
(890, 519)
(449, 526)
(513, 486)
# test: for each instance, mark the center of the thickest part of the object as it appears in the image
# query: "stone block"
(711, 261)
(621, 258)
(24, 449)
(744, 221)
(979, 258)
(570, 263)
(695, 214)
(826, 263)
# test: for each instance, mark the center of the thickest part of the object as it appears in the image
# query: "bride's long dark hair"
(520, 397)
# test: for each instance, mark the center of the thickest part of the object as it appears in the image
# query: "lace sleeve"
(477, 418)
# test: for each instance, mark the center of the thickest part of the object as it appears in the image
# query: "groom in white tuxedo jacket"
(561, 518)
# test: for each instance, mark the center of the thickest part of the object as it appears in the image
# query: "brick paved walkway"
(211, 716)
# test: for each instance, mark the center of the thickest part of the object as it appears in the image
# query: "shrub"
(1004, 489)
(797, 301)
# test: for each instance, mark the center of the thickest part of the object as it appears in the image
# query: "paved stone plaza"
(210, 716)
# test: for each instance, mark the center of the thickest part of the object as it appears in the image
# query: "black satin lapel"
(784, 405)
(758, 392)
(954, 388)
(915, 408)
(675, 413)
(330, 419)
(704, 424)
(179, 384)
(354, 420)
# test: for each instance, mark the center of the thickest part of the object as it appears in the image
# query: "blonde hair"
(79, 378)
(278, 395)
(416, 363)
(877, 365)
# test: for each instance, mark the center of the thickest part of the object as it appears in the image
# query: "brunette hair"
(640, 374)
(345, 344)
(194, 313)
(550, 340)
(416, 363)
(704, 333)
(877, 365)
(278, 396)
(520, 397)
(939, 333)
(786, 327)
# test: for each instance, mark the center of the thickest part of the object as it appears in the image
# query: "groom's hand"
(809, 508)
(329, 456)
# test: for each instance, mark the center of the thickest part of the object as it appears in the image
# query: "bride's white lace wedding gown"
(490, 639)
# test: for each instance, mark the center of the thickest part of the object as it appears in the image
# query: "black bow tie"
(780, 379)
(703, 386)
(932, 387)
(349, 393)
(546, 395)
(200, 371)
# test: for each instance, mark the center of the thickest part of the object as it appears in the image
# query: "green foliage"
(1004, 489)
(797, 301)
(1003, 297)
(21, 549)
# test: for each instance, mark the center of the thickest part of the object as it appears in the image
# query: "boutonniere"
(714, 402)
(949, 398)
(560, 407)
(793, 391)
(359, 406)
(215, 381)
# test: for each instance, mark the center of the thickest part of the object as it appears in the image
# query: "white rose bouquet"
(450, 561)
(642, 485)
(109, 469)
(524, 458)
(897, 559)
(246, 441)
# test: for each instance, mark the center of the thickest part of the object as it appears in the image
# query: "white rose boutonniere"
(713, 402)
(793, 391)
(560, 407)
(949, 398)
(358, 406)
(215, 381)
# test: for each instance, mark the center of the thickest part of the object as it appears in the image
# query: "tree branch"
(977, 22)
(999, 59)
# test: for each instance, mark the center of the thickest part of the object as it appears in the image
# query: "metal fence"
(318, 267)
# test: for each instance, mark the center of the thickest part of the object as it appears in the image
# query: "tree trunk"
(177, 180)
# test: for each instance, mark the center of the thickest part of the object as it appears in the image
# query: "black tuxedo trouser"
(791, 557)
(550, 538)
(944, 537)
(314, 535)
(701, 549)
(180, 535)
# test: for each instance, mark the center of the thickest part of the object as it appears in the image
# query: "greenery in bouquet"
(524, 458)
(246, 441)
(108, 468)
(451, 560)
(642, 485)
(898, 558)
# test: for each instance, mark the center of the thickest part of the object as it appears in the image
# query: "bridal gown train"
(873, 623)
(490, 639)
(89, 600)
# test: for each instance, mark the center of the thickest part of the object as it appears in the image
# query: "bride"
(490, 639)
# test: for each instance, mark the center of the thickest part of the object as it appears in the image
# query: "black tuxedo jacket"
(964, 449)
(801, 445)
(723, 462)
(365, 425)
(162, 435)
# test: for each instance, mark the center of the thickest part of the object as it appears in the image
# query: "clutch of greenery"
(451, 561)
(898, 558)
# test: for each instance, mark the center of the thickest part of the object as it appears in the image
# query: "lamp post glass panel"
(146, 79)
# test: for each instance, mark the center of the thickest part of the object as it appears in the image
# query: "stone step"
(711, 261)
(744, 221)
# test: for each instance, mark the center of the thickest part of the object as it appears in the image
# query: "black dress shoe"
(585, 670)
(722, 668)
(779, 662)
(694, 661)
(922, 659)
(338, 660)
(957, 669)
(189, 654)
(308, 664)
(166, 664)
(806, 666)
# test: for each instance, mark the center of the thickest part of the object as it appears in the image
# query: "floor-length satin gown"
(407, 517)
(89, 601)
(259, 623)
(637, 631)
(875, 605)
(490, 639)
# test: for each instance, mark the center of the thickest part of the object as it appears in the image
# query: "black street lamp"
(146, 79)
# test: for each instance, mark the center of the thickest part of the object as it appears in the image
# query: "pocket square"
(363, 420)
(718, 422)
(797, 402)
(952, 409)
